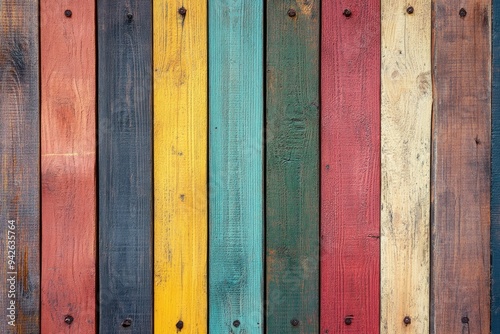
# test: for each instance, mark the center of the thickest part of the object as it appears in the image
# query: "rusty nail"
(179, 324)
(68, 13)
(410, 10)
(236, 323)
(465, 320)
(294, 322)
(462, 12)
(68, 319)
(182, 11)
(407, 320)
(292, 12)
(130, 16)
(348, 321)
(127, 322)
(347, 13)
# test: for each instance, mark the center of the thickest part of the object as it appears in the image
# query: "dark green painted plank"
(19, 176)
(292, 181)
(125, 170)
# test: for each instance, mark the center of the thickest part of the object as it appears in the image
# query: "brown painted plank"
(460, 276)
(68, 166)
(19, 175)
(350, 167)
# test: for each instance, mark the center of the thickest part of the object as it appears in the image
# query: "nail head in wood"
(410, 10)
(68, 319)
(407, 320)
(130, 16)
(179, 324)
(127, 322)
(68, 13)
(462, 12)
(347, 13)
(236, 323)
(292, 12)
(348, 321)
(465, 320)
(294, 322)
(182, 11)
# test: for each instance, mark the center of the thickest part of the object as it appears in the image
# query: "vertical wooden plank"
(19, 176)
(495, 169)
(406, 152)
(180, 167)
(236, 166)
(461, 167)
(292, 189)
(68, 166)
(350, 153)
(125, 166)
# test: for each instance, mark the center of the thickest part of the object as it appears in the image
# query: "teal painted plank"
(236, 166)
(292, 170)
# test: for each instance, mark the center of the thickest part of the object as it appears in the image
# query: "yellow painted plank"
(180, 165)
(406, 153)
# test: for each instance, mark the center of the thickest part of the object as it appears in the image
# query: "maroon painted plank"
(350, 166)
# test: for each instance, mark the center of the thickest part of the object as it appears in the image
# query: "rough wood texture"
(495, 169)
(19, 174)
(236, 166)
(461, 167)
(68, 166)
(350, 167)
(180, 165)
(125, 166)
(292, 189)
(406, 152)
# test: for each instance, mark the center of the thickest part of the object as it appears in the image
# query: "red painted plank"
(350, 162)
(68, 166)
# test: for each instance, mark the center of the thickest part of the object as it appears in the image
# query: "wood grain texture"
(292, 181)
(460, 276)
(350, 167)
(180, 165)
(406, 151)
(19, 174)
(68, 166)
(495, 169)
(125, 166)
(236, 166)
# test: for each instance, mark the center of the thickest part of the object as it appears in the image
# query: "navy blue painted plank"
(125, 170)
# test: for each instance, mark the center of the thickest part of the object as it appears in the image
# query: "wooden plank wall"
(236, 94)
(406, 110)
(19, 176)
(461, 167)
(180, 169)
(495, 169)
(125, 165)
(350, 167)
(68, 163)
(292, 181)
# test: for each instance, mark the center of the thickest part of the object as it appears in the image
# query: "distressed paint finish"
(19, 174)
(495, 169)
(461, 167)
(350, 167)
(406, 151)
(125, 166)
(180, 165)
(292, 182)
(236, 166)
(68, 166)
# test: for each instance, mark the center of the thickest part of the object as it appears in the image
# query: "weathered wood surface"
(460, 274)
(236, 166)
(68, 166)
(292, 186)
(125, 166)
(180, 165)
(406, 153)
(350, 167)
(19, 175)
(495, 169)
